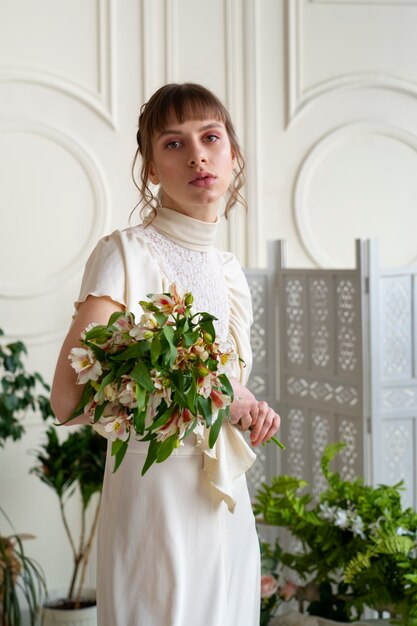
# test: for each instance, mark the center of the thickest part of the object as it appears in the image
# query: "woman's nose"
(197, 158)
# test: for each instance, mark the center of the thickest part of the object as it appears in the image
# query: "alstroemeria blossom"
(85, 364)
(117, 429)
(269, 585)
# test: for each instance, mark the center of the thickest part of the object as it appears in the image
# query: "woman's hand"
(247, 412)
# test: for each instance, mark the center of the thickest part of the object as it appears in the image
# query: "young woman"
(177, 547)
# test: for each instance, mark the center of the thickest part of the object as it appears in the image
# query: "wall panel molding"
(101, 208)
(235, 101)
(329, 142)
(252, 129)
(298, 98)
(102, 100)
(158, 17)
(389, 2)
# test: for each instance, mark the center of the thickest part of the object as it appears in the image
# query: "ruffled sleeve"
(241, 317)
(105, 273)
(122, 267)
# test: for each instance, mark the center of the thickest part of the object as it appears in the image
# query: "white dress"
(178, 547)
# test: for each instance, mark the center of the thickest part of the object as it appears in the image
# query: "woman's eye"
(211, 138)
(171, 145)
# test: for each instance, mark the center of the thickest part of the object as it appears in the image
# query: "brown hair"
(186, 101)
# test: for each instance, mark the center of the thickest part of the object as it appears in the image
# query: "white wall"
(323, 94)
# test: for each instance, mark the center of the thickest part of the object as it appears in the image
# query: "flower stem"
(278, 443)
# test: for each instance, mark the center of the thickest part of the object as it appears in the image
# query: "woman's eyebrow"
(175, 131)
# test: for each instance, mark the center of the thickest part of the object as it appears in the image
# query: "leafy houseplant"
(77, 463)
(359, 545)
(18, 572)
(18, 391)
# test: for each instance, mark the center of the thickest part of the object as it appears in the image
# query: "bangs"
(185, 102)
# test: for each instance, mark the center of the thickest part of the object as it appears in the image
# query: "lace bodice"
(200, 272)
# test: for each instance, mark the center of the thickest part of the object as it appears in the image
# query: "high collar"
(184, 230)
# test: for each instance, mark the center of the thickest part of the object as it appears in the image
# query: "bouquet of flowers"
(160, 378)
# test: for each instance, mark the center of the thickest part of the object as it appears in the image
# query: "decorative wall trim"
(171, 41)
(390, 2)
(235, 100)
(163, 21)
(101, 101)
(298, 98)
(92, 169)
(306, 172)
(252, 129)
(38, 338)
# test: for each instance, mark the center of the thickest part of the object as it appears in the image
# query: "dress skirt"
(169, 551)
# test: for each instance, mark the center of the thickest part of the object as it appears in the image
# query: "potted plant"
(358, 544)
(74, 464)
(20, 576)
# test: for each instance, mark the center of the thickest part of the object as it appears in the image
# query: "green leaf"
(132, 352)
(156, 350)
(227, 387)
(215, 428)
(168, 333)
(163, 419)
(115, 316)
(106, 381)
(151, 456)
(140, 375)
(160, 319)
(141, 397)
(99, 410)
(166, 447)
(119, 452)
(204, 405)
(190, 338)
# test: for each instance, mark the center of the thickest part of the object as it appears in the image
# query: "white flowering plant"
(158, 379)
(357, 544)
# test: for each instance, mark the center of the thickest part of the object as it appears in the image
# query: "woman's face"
(193, 163)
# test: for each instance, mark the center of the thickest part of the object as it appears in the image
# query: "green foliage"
(358, 543)
(18, 572)
(18, 391)
(75, 463)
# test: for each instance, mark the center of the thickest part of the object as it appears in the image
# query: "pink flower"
(127, 395)
(85, 364)
(169, 302)
(219, 400)
(288, 591)
(118, 429)
(269, 585)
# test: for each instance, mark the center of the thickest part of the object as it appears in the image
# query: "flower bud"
(202, 371)
(189, 299)
(207, 337)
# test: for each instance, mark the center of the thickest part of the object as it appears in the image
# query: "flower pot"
(70, 617)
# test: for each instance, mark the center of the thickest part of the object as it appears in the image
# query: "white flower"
(117, 429)
(327, 512)
(342, 519)
(128, 395)
(85, 364)
(357, 526)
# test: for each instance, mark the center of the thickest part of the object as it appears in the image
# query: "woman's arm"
(66, 394)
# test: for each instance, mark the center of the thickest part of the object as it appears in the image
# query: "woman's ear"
(152, 175)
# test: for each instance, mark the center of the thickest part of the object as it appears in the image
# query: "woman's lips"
(204, 180)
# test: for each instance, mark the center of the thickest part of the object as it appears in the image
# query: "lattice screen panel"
(395, 406)
(314, 316)
(262, 381)
(336, 352)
